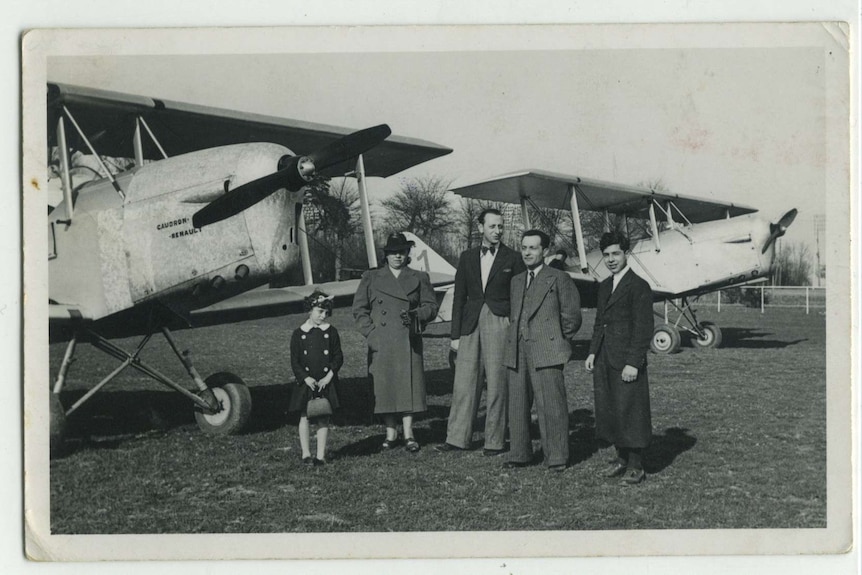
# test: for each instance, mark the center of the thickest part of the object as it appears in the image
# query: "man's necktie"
(486, 249)
(532, 276)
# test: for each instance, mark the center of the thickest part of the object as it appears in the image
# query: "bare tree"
(792, 266)
(467, 215)
(421, 206)
(332, 220)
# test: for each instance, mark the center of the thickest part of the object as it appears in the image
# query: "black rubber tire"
(713, 336)
(235, 399)
(665, 339)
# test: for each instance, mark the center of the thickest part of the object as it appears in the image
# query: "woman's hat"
(396, 242)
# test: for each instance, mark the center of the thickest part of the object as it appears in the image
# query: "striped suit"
(543, 321)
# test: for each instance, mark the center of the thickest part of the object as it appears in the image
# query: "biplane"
(208, 213)
(688, 246)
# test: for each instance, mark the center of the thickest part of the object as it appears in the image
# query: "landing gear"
(665, 339)
(234, 402)
(709, 336)
(222, 402)
(667, 336)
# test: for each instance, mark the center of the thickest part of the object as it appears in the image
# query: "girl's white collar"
(308, 326)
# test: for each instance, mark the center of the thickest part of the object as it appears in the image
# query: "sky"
(745, 125)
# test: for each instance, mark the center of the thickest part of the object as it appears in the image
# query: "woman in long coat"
(391, 305)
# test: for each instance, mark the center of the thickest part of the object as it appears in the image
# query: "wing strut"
(64, 169)
(579, 234)
(153, 138)
(304, 254)
(105, 169)
(138, 144)
(525, 213)
(654, 227)
(367, 230)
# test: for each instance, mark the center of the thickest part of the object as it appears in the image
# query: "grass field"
(739, 442)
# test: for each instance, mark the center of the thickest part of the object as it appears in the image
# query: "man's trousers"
(480, 354)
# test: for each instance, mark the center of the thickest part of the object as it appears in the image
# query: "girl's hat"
(319, 299)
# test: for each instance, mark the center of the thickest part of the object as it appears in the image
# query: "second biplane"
(689, 247)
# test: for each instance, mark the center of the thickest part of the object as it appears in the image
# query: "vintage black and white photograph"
(428, 290)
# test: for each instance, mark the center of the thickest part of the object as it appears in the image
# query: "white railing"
(764, 296)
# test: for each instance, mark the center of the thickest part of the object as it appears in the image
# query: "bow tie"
(486, 249)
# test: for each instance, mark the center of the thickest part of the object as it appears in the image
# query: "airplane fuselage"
(119, 253)
(699, 258)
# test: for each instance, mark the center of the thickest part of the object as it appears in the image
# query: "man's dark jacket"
(624, 321)
(468, 298)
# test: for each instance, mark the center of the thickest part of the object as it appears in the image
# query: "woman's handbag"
(318, 406)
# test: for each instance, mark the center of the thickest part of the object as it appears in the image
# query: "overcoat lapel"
(408, 279)
(622, 287)
(395, 287)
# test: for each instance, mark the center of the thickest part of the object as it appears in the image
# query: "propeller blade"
(787, 219)
(293, 173)
(349, 146)
(779, 229)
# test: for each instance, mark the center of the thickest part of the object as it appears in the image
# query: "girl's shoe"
(389, 443)
(319, 462)
(307, 460)
(411, 445)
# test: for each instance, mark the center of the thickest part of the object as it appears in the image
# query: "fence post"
(762, 297)
(806, 300)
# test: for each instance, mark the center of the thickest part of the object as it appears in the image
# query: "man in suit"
(617, 360)
(545, 315)
(480, 310)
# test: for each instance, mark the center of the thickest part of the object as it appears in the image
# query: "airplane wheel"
(665, 339)
(235, 400)
(711, 336)
(57, 427)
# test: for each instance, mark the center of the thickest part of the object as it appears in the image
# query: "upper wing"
(553, 190)
(109, 118)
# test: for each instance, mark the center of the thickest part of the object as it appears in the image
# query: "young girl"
(315, 357)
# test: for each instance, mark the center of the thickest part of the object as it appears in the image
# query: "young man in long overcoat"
(618, 361)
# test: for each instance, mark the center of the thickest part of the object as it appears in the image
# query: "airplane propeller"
(293, 173)
(779, 229)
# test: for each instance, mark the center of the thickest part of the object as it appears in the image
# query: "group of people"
(514, 319)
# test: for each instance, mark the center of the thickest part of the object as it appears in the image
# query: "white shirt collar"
(619, 276)
(535, 270)
(309, 325)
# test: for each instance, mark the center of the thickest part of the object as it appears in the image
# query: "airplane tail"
(441, 272)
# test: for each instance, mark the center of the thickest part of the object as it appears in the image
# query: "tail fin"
(441, 272)
(424, 259)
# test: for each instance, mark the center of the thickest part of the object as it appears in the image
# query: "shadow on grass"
(665, 447)
(745, 338)
(107, 418)
(126, 413)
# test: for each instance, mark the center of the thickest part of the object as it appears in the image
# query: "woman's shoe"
(389, 443)
(411, 445)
